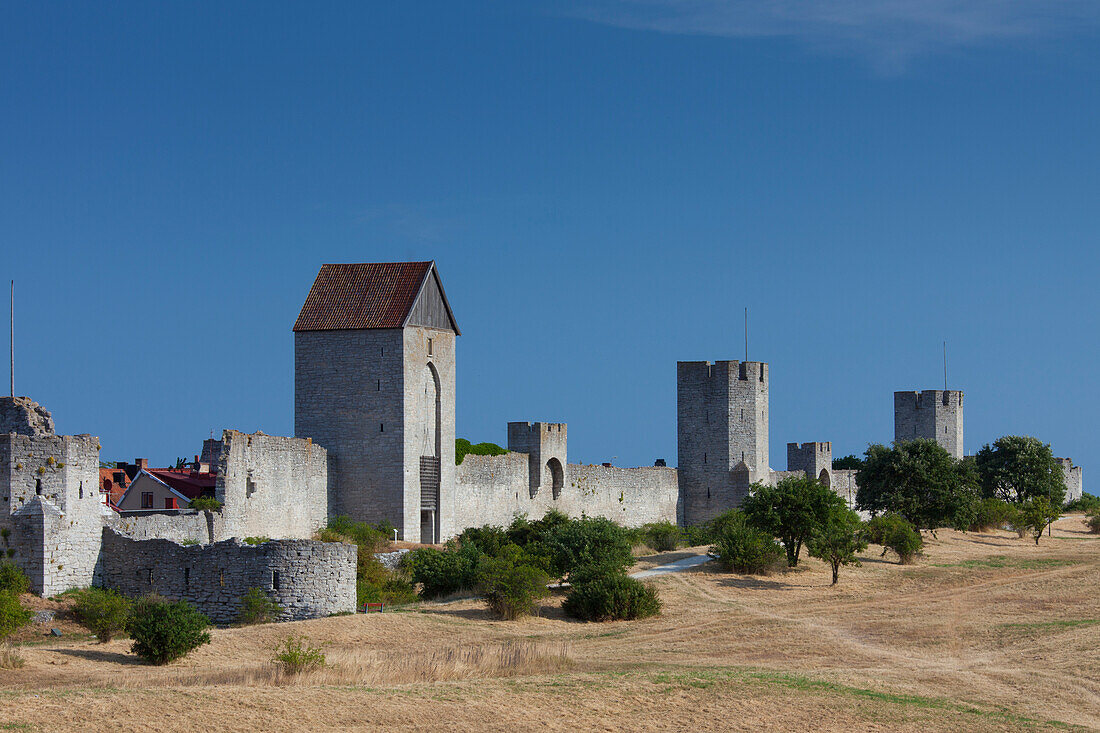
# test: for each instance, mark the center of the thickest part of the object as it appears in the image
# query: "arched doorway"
(429, 432)
(824, 477)
(557, 476)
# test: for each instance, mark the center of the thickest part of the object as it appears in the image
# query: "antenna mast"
(944, 366)
(13, 338)
(746, 333)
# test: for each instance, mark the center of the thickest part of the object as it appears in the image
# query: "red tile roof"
(113, 482)
(364, 295)
(189, 483)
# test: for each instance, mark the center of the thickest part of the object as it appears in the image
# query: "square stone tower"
(722, 434)
(374, 384)
(815, 459)
(934, 413)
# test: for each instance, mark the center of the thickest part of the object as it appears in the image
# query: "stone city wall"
(308, 579)
(186, 525)
(496, 489)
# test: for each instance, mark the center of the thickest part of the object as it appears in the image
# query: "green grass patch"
(1001, 561)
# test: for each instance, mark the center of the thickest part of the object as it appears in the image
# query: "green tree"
(790, 511)
(745, 549)
(164, 631)
(849, 462)
(12, 614)
(1018, 468)
(838, 539)
(1037, 514)
(921, 481)
(509, 585)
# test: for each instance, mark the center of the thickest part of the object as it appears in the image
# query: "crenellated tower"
(934, 414)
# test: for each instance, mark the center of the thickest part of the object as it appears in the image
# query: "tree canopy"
(921, 481)
(791, 510)
(838, 539)
(1018, 468)
(849, 462)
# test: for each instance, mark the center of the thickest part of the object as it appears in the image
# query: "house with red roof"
(166, 489)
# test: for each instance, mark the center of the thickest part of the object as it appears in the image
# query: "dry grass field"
(986, 632)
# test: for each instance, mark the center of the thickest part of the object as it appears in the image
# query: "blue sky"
(605, 186)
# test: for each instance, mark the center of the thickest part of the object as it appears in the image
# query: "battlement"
(933, 414)
(545, 446)
(920, 400)
(813, 447)
(815, 459)
(743, 371)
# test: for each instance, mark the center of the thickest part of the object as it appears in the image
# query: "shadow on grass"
(104, 656)
(753, 582)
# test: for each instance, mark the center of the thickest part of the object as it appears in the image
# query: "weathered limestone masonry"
(49, 494)
(374, 383)
(813, 459)
(496, 489)
(308, 579)
(271, 486)
(189, 525)
(935, 414)
(722, 434)
(1075, 486)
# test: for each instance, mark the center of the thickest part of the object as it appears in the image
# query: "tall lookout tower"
(934, 413)
(722, 434)
(374, 384)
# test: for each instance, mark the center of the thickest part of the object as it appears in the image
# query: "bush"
(376, 584)
(443, 572)
(838, 540)
(893, 532)
(993, 513)
(296, 655)
(257, 608)
(577, 543)
(208, 503)
(488, 540)
(164, 631)
(603, 594)
(369, 538)
(12, 578)
(661, 536)
(12, 614)
(1036, 514)
(510, 587)
(745, 549)
(1084, 503)
(1092, 519)
(103, 611)
(256, 540)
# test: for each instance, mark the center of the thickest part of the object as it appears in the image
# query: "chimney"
(141, 463)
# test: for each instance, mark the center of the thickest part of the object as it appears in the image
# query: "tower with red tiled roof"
(374, 384)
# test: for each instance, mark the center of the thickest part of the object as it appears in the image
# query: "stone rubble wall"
(25, 416)
(187, 525)
(308, 579)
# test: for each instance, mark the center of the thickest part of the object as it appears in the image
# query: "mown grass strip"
(1001, 561)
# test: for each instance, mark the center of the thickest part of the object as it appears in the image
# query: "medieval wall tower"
(722, 434)
(815, 459)
(374, 384)
(934, 414)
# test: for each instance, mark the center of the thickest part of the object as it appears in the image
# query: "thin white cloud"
(887, 32)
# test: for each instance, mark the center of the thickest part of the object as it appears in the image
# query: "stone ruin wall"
(308, 579)
(271, 486)
(496, 489)
(49, 505)
(188, 525)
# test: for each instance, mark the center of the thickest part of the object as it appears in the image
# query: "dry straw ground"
(986, 632)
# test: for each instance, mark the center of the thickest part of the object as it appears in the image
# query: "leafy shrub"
(1092, 519)
(376, 584)
(257, 608)
(577, 543)
(12, 578)
(893, 532)
(488, 540)
(442, 572)
(12, 614)
(369, 538)
(103, 611)
(661, 536)
(838, 540)
(708, 532)
(744, 549)
(510, 587)
(463, 448)
(993, 513)
(1036, 514)
(256, 540)
(295, 655)
(164, 631)
(601, 593)
(208, 503)
(1084, 503)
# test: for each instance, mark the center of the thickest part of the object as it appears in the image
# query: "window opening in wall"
(81, 489)
(704, 456)
(249, 486)
(275, 580)
(150, 576)
(429, 347)
(38, 486)
(378, 386)
(708, 493)
(742, 455)
(742, 414)
(187, 576)
(147, 500)
(221, 578)
(381, 427)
